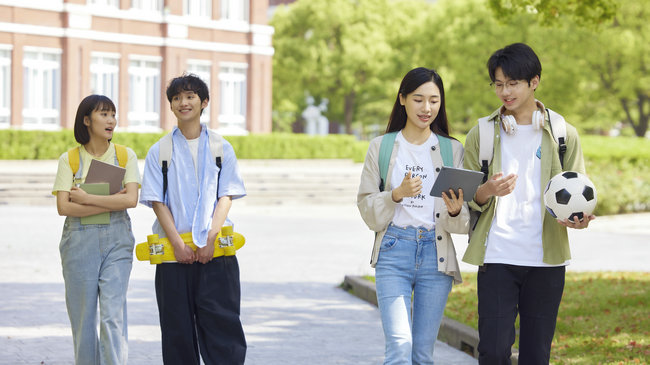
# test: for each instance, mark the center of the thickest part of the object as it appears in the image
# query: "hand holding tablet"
(456, 178)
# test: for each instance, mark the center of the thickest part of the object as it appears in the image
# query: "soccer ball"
(570, 194)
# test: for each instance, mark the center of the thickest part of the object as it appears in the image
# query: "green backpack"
(386, 150)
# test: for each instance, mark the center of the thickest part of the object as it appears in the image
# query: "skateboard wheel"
(226, 231)
(156, 259)
(229, 251)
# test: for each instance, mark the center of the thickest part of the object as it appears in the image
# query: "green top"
(555, 241)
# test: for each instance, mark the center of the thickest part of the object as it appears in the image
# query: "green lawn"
(604, 318)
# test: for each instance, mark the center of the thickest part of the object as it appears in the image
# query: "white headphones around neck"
(510, 123)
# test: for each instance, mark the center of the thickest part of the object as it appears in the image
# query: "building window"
(198, 8)
(5, 87)
(105, 76)
(201, 69)
(42, 89)
(232, 103)
(236, 10)
(149, 5)
(144, 94)
(106, 3)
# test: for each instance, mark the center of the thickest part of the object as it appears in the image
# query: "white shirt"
(515, 237)
(193, 145)
(415, 211)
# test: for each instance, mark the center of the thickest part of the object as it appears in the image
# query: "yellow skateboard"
(159, 250)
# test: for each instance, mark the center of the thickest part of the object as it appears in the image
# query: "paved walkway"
(293, 312)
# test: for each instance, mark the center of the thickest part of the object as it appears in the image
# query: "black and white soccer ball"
(570, 194)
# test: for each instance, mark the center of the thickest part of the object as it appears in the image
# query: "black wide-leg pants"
(199, 307)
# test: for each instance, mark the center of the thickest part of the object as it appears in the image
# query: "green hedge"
(619, 167)
(43, 145)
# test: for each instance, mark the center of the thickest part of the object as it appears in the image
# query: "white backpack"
(167, 146)
(486, 139)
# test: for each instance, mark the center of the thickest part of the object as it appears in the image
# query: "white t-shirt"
(516, 234)
(193, 144)
(415, 211)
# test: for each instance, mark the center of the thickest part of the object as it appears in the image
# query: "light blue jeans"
(96, 262)
(408, 268)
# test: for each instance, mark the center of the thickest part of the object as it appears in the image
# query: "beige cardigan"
(377, 208)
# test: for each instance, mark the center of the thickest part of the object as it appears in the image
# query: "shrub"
(619, 167)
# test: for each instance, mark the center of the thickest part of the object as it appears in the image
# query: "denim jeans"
(408, 268)
(96, 260)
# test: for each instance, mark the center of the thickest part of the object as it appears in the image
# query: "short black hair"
(88, 105)
(188, 82)
(517, 61)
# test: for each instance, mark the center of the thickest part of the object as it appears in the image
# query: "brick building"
(55, 52)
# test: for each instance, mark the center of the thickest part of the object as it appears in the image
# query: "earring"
(509, 123)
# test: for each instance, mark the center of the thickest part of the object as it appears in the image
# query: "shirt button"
(439, 238)
(433, 148)
(437, 169)
(442, 259)
(437, 215)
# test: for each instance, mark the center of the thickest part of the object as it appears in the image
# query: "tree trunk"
(348, 111)
(641, 127)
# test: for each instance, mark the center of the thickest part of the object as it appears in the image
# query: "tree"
(339, 50)
(622, 64)
(548, 12)
(610, 40)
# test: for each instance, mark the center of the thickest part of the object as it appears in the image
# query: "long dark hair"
(88, 105)
(411, 81)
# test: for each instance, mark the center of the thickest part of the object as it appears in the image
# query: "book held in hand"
(96, 189)
(102, 172)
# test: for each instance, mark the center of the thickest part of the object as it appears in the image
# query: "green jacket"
(555, 241)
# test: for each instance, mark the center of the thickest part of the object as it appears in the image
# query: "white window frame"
(144, 90)
(235, 10)
(42, 88)
(115, 4)
(202, 69)
(105, 75)
(5, 86)
(198, 8)
(233, 85)
(147, 5)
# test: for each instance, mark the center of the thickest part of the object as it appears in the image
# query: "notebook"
(96, 189)
(102, 172)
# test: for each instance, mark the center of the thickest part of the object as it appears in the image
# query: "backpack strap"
(167, 147)
(385, 151)
(73, 159)
(558, 130)
(446, 151)
(486, 144)
(165, 158)
(216, 147)
(121, 154)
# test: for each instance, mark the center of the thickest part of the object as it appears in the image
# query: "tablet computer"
(455, 178)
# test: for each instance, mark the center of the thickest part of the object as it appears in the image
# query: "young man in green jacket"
(521, 250)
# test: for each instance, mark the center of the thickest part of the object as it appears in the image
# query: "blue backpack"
(386, 150)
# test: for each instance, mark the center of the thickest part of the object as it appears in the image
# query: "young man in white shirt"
(520, 248)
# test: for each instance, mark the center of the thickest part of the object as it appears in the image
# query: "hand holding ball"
(570, 194)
